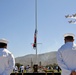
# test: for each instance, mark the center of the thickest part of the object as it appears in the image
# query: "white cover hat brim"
(69, 34)
(3, 41)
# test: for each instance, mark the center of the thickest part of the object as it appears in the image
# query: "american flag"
(35, 39)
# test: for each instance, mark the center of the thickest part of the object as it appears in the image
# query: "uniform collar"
(2, 48)
(70, 43)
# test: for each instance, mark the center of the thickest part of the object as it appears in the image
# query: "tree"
(18, 65)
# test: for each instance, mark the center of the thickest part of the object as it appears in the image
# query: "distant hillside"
(45, 58)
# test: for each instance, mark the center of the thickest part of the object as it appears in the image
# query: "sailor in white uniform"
(7, 60)
(66, 56)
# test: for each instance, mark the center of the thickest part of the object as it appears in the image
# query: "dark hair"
(70, 38)
(2, 45)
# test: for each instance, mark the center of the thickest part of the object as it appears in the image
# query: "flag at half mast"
(35, 39)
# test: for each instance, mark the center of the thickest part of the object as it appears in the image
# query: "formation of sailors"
(21, 69)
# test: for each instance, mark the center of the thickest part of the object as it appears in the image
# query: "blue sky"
(17, 24)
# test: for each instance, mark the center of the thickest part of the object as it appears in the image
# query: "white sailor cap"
(3, 41)
(69, 34)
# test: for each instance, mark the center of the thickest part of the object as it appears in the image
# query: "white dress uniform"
(7, 61)
(22, 68)
(66, 58)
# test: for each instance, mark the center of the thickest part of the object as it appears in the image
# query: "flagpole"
(36, 26)
(35, 67)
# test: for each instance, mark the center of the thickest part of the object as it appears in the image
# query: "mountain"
(44, 59)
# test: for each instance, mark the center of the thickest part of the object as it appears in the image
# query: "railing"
(35, 74)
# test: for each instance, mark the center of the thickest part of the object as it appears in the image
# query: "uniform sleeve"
(62, 64)
(11, 63)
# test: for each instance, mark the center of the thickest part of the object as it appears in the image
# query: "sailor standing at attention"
(7, 60)
(66, 55)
